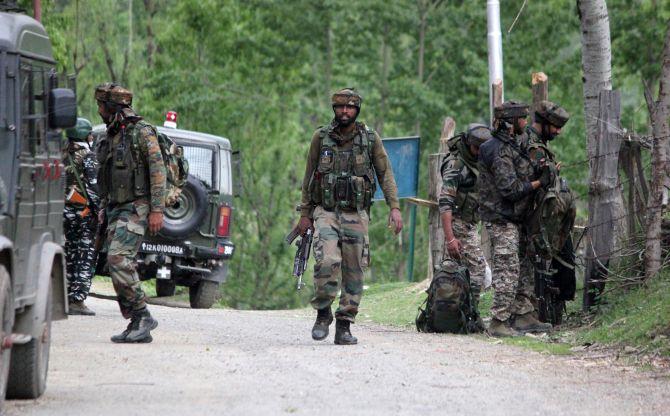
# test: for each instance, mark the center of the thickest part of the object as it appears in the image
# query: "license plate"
(157, 248)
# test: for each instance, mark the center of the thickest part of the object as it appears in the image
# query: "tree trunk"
(384, 90)
(150, 8)
(660, 112)
(423, 20)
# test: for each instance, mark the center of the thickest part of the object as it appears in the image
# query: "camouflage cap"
(477, 134)
(552, 113)
(510, 110)
(111, 92)
(80, 130)
(347, 96)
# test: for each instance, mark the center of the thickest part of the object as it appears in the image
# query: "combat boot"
(138, 330)
(529, 323)
(79, 308)
(498, 329)
(324, 317)
(343, 334)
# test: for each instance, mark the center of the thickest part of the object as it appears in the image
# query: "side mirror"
(62, 108)
(237, 174)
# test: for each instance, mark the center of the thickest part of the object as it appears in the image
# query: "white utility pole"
(495, 49)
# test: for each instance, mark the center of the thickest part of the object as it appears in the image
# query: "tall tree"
(660, 115)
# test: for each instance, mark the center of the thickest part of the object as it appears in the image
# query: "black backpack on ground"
(449, 306)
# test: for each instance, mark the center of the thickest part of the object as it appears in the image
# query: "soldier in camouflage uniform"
(459, 204)
(80, 216)
(132, 187)
(337, 192)
(505, 195)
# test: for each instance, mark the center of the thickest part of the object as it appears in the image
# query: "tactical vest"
(344, 178)
(124, 172)
(467, 197)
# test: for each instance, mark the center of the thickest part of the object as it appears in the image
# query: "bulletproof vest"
(467, 198)
(344, 178)
(123, 174)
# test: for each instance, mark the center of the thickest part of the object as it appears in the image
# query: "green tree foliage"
(260, 72)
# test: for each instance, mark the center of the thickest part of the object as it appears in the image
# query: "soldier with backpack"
(132, 185)
(344, 159)
(548, 227)
(505, 194)
(459, 203)
(80, 215)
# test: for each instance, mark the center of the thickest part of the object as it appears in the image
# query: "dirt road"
(224, 362)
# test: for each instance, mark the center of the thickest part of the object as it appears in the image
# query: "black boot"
(343, 334)
(324, 317)
(138, 331)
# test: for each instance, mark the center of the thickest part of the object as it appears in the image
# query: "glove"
(547, 177)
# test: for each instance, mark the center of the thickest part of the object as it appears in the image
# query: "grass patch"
(392, 303)
(639, 318)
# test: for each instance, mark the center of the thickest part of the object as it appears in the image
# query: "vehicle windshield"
(200, 163)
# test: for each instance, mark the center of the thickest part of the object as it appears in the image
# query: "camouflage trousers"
(126, 225)
(80, 254)
(341, 250)
(526, 270)
(509, 294)
(472, 255)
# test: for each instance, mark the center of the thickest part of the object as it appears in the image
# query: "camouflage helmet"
(81, 130)
(113, 93)
(510, 110)
(347, 96)
(552, 113)
(477, 134)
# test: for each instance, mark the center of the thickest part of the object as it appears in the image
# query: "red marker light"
(223, 225)
(171, 120)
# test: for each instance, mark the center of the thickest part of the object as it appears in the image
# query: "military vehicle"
(33, 289)
(194, 246)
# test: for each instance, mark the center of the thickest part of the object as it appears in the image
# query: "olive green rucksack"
(449, 306)
(550, 223)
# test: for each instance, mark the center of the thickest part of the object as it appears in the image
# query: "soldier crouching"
(132, 186)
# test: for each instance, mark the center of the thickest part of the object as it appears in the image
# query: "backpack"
(551, 221)
(176, 166)
(449, 306)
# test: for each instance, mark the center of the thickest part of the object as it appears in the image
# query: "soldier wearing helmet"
(344, 159)
(80, 214)
(132, 187)
(506, 188)
(459, 203)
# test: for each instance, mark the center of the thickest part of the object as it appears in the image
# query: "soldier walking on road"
(132, 187)
(337, 192)
(80, 215)
(505, 192)
(459, 204)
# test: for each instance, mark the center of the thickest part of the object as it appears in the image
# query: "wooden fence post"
(604, 191)
(435, 232)
(540, 86)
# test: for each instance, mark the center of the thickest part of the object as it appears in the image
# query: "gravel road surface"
(226, 362)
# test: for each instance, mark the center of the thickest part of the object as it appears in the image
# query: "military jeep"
(33, 289)
(193, 247)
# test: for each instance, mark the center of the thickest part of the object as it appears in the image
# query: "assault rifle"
(302, 254)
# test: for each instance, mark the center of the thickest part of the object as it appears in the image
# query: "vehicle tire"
(187, 214)
(203, 294)
(165, 287)
(7, 309)
(30, 362)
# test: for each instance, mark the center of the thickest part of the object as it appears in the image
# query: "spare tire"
(186, 215)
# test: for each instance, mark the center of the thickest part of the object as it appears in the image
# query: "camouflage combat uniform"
(130, 194)
(460, 195)
(505, 197)
(80, 222)
(341, 245)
